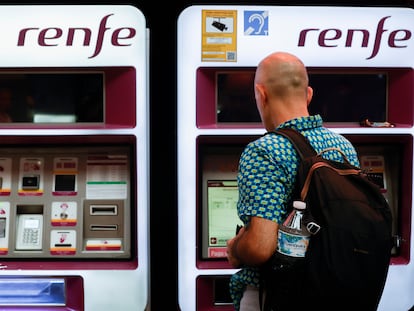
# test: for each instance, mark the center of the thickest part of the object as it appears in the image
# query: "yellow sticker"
(219, 36)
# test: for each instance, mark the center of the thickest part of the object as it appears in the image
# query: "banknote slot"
(103, 210)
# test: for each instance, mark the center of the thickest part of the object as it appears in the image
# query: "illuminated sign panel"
(56, 37)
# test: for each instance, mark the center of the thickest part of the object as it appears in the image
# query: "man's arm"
(254, 244)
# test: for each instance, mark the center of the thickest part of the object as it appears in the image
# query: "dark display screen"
(52, 97)
(338, 97)
(65, 182)
(349, 97)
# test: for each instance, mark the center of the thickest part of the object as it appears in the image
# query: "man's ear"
(260, 93)
(309, 95)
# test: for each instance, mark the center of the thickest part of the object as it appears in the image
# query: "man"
(267, 169)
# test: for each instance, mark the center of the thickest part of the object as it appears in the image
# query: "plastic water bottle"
(293, 236)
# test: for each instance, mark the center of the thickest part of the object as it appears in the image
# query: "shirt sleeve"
(267, 170)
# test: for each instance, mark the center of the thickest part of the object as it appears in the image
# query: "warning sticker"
(219, 35)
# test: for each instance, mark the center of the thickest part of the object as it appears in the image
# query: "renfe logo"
(329, 37)
(52, 36)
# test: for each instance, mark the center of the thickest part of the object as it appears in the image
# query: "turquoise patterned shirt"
(266, 176)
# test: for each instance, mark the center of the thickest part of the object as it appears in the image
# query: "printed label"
(292, 244)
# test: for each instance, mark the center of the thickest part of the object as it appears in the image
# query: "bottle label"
(292, 245)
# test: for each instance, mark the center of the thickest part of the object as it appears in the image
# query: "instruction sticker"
(219, 35)
(64, 214)
(107, 177)
(63, 242)
(5, 176)
(31, 177)
(65, 171)
(4, 227)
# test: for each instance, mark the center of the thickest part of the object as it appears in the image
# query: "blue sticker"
(256, 23)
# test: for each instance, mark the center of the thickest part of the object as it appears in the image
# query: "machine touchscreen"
(222, 198)
(219, 195)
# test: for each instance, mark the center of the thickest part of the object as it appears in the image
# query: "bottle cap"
(299, 205)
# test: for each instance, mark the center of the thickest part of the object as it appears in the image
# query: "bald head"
(283, 74)
(281, 89)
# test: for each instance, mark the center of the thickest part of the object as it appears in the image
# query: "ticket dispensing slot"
(103, 227)
(41, 293)
(33, 292)
(221, 291)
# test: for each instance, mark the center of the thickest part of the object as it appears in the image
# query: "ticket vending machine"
(362, 73)
(74, 158)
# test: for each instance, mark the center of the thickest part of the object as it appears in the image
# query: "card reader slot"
(103, 227)
(104, 210)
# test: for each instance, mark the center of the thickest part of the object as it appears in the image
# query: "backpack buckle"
(312, 227)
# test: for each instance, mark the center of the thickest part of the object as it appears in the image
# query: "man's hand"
(232, 250)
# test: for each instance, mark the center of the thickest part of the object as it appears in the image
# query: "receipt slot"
(74, 158)
(368, 63)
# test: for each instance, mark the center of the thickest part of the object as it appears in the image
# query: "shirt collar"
(303, 123)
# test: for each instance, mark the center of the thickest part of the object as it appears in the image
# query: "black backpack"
(347, 260)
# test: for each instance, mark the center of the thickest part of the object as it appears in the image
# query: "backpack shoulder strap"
(299, 142)
(303, 146)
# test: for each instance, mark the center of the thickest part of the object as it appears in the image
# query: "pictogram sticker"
(256, 23)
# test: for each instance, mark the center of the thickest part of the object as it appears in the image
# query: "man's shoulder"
(272, 139)
(270, 144)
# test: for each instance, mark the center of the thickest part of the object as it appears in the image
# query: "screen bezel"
(120, 98)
